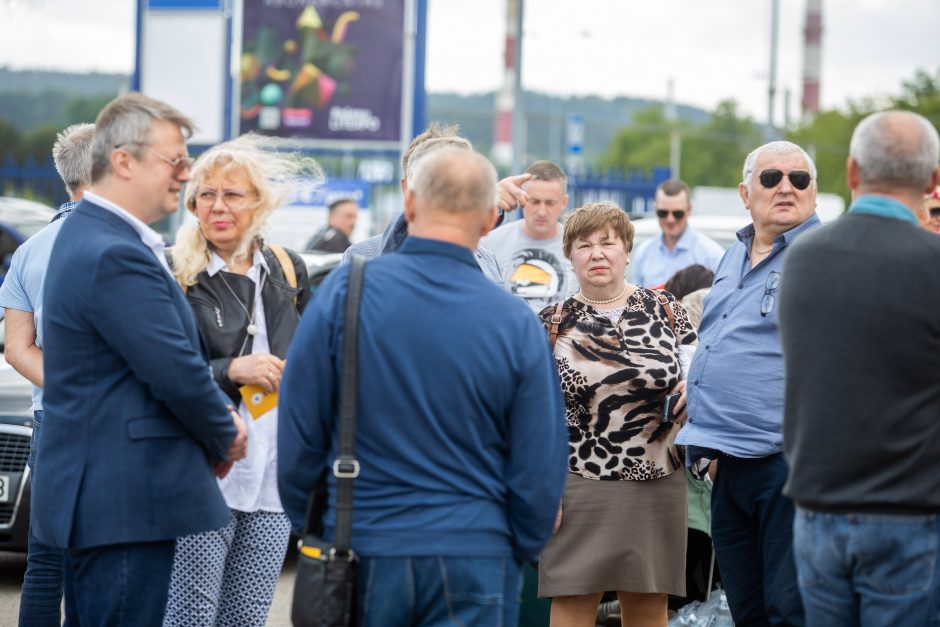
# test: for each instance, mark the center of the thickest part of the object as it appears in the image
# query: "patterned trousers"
(227, 577)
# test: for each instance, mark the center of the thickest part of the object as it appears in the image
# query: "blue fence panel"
(633, 192)
(29, 179)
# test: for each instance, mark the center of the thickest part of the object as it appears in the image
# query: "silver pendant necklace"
(252, 328)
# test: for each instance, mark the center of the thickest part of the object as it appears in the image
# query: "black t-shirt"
(860, 328)
(329, 240)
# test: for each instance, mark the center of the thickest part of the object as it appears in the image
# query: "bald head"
(894, 151)
(452, 197)
(455, 181)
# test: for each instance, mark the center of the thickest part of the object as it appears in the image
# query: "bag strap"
(556, 320)
(290, 275)
(346, 466)
(665, 304)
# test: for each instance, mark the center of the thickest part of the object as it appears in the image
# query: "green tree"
(85, 109)
(826, 139)
(642, 145)
(713, 153)
(38, 143)
(9, 140)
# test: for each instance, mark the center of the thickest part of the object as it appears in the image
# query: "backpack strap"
(665, 305)
(290, 275)
(556, 320)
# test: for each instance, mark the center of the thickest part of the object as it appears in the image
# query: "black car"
(16, 431)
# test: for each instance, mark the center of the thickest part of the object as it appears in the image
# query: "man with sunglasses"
(680, 246)
(861, 335)
(736, 386)
(135, 429)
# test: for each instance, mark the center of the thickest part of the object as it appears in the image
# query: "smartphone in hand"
(669, 407)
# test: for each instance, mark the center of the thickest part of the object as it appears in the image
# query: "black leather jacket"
(222, 321)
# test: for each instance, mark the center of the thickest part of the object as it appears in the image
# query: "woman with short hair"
(247, 298)
(620, 349)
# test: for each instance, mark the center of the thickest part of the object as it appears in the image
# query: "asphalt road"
(13, 565)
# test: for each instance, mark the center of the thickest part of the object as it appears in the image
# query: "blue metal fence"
(633, 192)
(32, 180)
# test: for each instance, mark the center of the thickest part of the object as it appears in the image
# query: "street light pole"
(772, 87)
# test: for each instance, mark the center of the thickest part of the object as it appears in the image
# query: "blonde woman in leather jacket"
(246, 305)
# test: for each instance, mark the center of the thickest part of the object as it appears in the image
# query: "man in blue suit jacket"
(135, 429)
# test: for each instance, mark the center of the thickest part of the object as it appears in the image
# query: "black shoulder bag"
(325, 592)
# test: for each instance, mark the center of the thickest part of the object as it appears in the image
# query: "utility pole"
(772, 87)
(675, 140)
(508, 127)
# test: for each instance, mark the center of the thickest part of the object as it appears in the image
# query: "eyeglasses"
(767, 302)
(677, 214)
(179, 165)
(934, 212)
(234, 199)
(800, 179)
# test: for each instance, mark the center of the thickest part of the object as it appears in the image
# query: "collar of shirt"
(64, 209)
(883, 206)
(217, 264)
(684, 242)
(150, 238)
(746, 235)
(423, 246)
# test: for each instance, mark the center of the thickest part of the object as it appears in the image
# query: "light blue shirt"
(22, 288)
(736, 380)
(654, 264)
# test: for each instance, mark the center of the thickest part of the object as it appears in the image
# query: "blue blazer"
(132, 417)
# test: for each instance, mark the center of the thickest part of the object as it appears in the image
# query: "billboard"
(327, 72)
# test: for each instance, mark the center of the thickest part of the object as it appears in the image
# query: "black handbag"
(325, 590)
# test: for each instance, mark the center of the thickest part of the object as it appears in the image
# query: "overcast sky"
(713, 50)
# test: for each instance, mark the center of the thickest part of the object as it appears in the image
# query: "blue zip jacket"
(461, 426)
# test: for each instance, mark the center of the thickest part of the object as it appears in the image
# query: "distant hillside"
(30, 99)
(546, 116)
(37, 82)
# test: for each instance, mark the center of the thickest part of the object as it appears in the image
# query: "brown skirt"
(627, 536)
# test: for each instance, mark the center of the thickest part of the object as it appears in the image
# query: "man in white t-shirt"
(529, 251)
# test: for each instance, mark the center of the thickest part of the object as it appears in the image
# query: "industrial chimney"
(812, 37)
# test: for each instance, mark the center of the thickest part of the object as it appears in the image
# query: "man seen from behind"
(460, 431)
(859, 303)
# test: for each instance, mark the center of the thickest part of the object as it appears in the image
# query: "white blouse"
(252, 483)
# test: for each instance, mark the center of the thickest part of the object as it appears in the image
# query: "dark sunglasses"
(768, 301)
(800, 179)
(934, 212)
(678, 214)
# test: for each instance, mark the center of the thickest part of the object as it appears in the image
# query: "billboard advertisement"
(323, 71)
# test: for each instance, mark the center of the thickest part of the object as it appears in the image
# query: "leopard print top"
(614, 378)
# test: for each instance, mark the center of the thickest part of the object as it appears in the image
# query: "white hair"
(71, 154)
(886, 154)
(774, 148)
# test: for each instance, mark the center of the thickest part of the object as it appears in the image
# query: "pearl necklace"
(606, 301)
